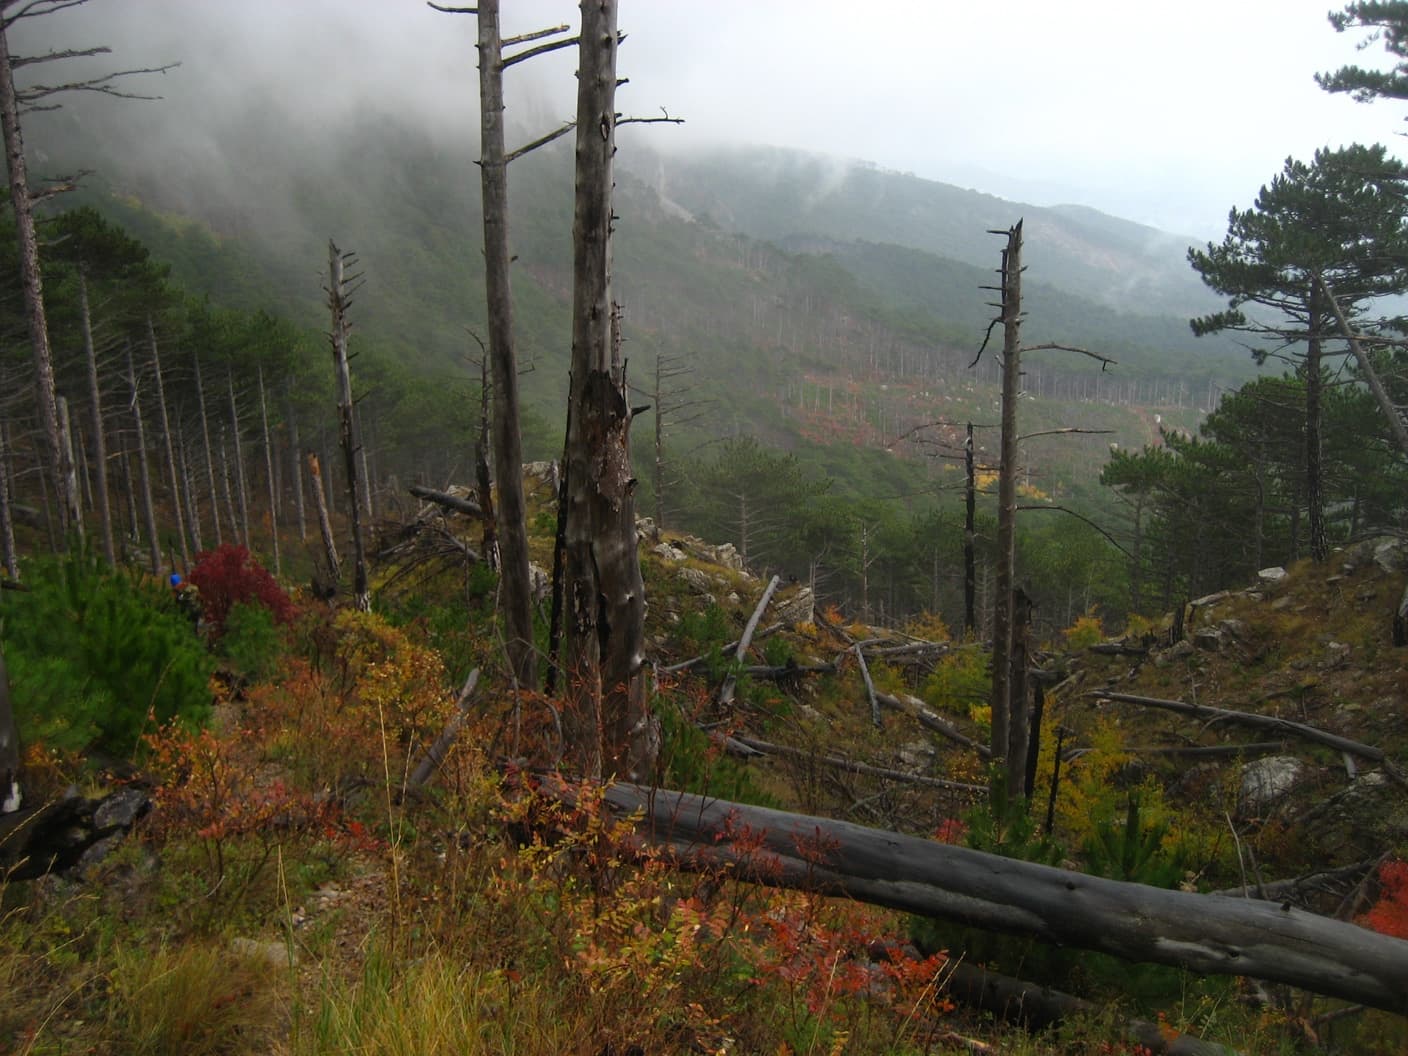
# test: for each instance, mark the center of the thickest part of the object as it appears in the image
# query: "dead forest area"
(329, 724)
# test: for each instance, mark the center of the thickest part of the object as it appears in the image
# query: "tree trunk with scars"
(511, 510)
(607, 721)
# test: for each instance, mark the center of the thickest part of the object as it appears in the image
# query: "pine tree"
(1387, 20)
(1342, 217)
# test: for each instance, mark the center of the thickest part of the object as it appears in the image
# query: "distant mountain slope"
(771, 193)
(760, 305)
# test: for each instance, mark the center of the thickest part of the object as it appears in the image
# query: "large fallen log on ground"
(1210, 934)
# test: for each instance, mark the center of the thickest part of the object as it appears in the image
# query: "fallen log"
(869, 687)
(837, 762)
(1400, 620)
(1205, 750)
(436, 755)
(731, 680)
(1299, 730)
(694, 661)
(785, 671)
(1117, 649)
(1210, 934)
(445, 499)
(1297, 887)
(1037, 1006)
(925, 717)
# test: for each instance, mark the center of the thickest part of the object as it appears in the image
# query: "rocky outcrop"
(69, 832)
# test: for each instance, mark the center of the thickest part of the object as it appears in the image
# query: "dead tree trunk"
(227, 490)
(70, 485)
(95, 404)
(188, 490)
(296, 466)
(241, 490)
(484, 481)
(508, 445)
(10, 789)
(324, 522)
(1209, 934)
(970, 568)
(609, 725)
(32, 288)
(269, 473)
(1019, 735)
(1314, 471)
(1366, 367)
(209, 454)
(7, 521)
(1003, 718)
(731, 680)
(340, 289)
(170, 450)
(143, 471)
(1273, 723)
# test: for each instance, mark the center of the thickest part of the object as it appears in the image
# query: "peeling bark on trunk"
(608, 722)
(511, 508)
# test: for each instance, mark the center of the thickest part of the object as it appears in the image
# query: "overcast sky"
(1164, 113)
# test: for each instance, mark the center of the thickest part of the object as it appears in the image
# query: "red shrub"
(228, 576)
(1390, 914)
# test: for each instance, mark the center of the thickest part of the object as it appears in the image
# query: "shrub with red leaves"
(228, 576)
(1390, 913)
